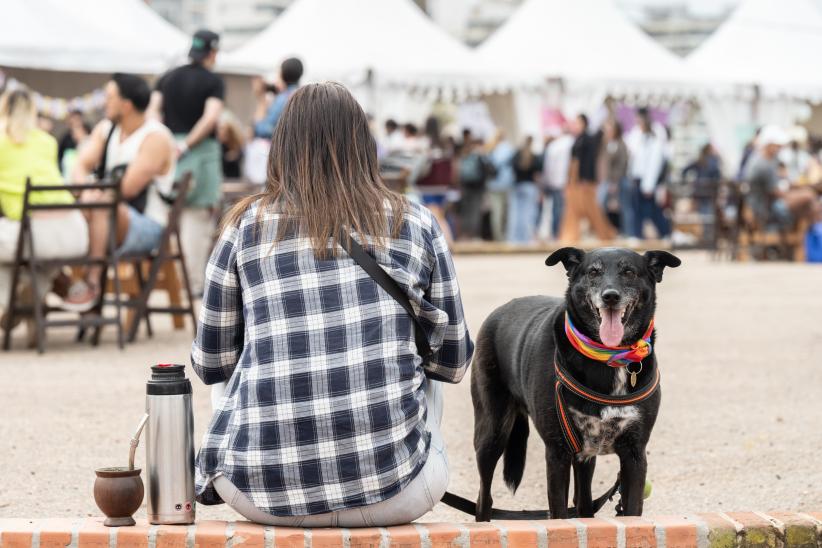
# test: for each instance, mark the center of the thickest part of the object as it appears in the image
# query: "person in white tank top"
(145, 150)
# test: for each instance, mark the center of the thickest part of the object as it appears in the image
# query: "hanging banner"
(58, 108)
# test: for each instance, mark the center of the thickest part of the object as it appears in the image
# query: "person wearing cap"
(770, 198)
(266, 115)
(189, 100)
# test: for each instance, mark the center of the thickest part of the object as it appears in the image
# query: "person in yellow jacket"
(28, 152)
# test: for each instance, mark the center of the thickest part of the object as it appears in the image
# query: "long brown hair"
(323, 172)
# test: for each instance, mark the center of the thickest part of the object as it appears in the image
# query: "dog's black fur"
(513, 378)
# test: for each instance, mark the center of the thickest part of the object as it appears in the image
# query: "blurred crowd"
(577, 179)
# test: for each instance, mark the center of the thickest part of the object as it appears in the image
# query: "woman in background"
(580, 192)
(27, 152)
(618, 197)
(523, 205)
(501, 156)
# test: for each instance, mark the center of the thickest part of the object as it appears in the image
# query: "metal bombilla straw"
(135, 441)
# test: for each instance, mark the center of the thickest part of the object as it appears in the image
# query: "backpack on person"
(474, 170)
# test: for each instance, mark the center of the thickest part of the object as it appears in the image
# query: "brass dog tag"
(634, 373)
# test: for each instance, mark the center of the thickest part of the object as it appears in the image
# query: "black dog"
(523, 349)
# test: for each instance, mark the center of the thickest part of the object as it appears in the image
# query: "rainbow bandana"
(619, 356)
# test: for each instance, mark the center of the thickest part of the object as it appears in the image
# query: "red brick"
(93, 534)
(679, 532)
(561, 533)
(210, 534)
(601, 534)
(483, 534)
(757, 530)
(56, 533)
(365, 538)
(404, 536)
(521, 534)
(289, 537)
(442, 535)
(639, 533)
(133, 537)
(16, 533)
(172, 536)
(247, 535)
(326, 538)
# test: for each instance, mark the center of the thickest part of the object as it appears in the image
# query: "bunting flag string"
(58, 108)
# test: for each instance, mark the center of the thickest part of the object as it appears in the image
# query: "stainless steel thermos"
(169, 446)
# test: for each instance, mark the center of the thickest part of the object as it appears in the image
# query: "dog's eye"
(629, 273)
(595, 272)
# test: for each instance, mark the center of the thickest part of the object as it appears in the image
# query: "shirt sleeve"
(220, 330)
(450, 361)
(217, 88)
(265, 127)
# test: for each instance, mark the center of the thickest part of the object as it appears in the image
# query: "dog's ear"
(658, 260)
(571, 258)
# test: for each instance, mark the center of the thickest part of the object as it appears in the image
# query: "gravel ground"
(739, 426)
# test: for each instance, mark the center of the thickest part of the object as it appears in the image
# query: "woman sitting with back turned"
(329, 416)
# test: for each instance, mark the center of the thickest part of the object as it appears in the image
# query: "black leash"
(381, 277)
(464, 505)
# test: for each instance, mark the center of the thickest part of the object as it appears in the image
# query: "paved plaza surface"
(740, 427)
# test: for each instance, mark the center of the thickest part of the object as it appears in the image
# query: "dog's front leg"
(633, 469)
(558, 463)
(583, 477)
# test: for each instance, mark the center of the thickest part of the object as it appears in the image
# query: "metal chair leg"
(142, 302)
(11, 310)
(37, 306)
(118, 295)
(138, 271)
(98, 307)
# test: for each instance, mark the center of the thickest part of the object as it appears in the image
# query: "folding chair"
(158, 259)
(26, 261)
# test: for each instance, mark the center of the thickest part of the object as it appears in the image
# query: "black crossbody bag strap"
(373, 269)
(100, 172)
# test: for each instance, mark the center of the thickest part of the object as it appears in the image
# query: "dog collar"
(618, 356)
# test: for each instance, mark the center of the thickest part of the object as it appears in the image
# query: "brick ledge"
(715, 530)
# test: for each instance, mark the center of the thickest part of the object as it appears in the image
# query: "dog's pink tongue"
(611, 329)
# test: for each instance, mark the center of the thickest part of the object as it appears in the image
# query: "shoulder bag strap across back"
(381, 277)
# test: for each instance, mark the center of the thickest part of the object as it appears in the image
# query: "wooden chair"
(27, 262)
(755, 240)
(168, 281)
(159, 261)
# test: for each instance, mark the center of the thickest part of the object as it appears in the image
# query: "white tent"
(773, 45)
(391, 41)
(585, 41)
(584, 50)
(759, 68)
(90, 36)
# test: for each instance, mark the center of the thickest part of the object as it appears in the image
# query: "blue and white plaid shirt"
(324, 407)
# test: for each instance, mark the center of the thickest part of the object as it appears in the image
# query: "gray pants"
(498, 205)
(415, 500)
